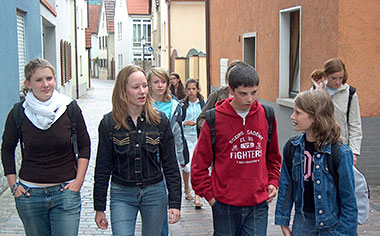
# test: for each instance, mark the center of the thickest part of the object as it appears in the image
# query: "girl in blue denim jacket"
(321, 208)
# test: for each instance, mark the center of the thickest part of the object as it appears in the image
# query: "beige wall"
(329, 28)
(194, 67)
(188, 26)
(203, 76)
(180, 68)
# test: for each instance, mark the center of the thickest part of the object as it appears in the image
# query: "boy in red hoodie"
(246, 172)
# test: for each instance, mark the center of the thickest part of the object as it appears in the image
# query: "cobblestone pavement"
(193, 222)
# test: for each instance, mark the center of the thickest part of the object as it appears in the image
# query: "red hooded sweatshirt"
(243, 169)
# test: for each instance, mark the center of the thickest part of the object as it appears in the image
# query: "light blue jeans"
(240, 221)
(125, 203)
(305, 226)
(49, 211)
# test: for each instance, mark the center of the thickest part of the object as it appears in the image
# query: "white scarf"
(44, 114)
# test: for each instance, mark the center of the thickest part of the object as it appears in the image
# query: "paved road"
(193, 222)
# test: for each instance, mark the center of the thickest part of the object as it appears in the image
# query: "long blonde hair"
(318, 104)
(120, 100)
(162, 74)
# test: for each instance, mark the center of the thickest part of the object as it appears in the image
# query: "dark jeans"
(240, 221)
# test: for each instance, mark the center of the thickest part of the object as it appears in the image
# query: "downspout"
(208, 66)
(169, 38)
(89, 50)
(76, 50)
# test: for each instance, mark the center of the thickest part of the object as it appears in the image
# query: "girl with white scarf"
(47, 190)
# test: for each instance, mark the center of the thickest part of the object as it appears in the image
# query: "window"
(142, 27)
(21, 48)
(249, 48)
(289, 56)
(65, 48)
(120, 31)
(120, 64)
(81, 19)
(80, 66)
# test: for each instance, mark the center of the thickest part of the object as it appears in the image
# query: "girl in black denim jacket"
(128, 150)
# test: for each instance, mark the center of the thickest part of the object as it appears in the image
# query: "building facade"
(286, 40)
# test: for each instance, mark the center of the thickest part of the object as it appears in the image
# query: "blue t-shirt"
(165, 107)
(331, 91)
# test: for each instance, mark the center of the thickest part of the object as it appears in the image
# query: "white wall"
(102, 31)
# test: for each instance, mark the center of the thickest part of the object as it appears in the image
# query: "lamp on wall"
(143, 41)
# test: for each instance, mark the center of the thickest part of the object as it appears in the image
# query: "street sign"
(150, 49)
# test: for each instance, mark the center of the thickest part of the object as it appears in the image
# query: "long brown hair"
(318, 104)
(331, 66)
(162, 74)
(181, 92)
(187, 98)
(120, 100)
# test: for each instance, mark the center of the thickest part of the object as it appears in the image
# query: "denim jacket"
(131, 159)
(333, 209)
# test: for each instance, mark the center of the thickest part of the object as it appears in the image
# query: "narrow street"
(193, 222)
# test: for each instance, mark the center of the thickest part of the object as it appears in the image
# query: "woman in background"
(176, 86)
(158, 82)
(192, 105)
(333, 78)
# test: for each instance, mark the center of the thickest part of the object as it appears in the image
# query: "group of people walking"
(160, 134)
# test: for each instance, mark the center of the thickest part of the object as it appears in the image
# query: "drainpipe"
(208, 67)
(89, 50)
(169, 38)
(76, 50)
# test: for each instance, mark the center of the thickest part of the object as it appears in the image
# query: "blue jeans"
(125, 203)
(165, 226)
(240, 221)
(306, 226)
(49, 211)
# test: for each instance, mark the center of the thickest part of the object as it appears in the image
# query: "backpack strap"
(202, 103)
(72, 112)
(351, 92)
(269, 114)
(333, 162)
(288, 159)
(18, 118)
(109, 124)
(210, 119)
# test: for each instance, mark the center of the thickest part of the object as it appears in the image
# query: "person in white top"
(333, 78)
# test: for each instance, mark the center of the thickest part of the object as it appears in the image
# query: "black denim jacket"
(131, 157)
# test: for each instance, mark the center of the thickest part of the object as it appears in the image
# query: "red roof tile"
(94, 16)
(138, 7)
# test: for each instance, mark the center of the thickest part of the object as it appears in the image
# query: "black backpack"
(72, 112)
(351, 92)
(210, 119)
